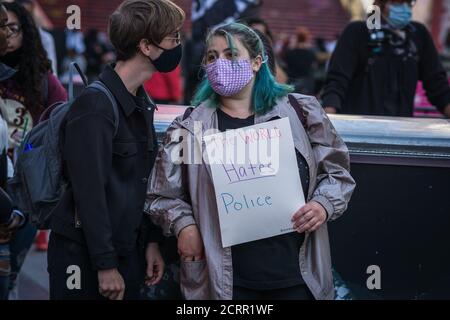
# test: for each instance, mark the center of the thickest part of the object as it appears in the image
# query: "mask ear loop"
(265, 59)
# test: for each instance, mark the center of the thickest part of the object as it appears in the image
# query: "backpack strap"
(75, 66)
(102, 87)
(299, 110)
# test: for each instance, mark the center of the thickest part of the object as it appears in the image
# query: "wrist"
(153, 245)
(106, 271)
(187, 229)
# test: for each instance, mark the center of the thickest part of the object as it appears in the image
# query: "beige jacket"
(180, 197)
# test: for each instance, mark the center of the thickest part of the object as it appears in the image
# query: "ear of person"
(256, 63)
(146, 47)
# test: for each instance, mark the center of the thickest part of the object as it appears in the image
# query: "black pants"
(63, 253)
(300, 292)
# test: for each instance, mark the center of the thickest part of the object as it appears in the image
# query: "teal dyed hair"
(266, 89)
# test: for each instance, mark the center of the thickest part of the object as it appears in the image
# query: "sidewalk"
(33, 283)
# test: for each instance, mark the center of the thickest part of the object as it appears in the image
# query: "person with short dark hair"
(375, 72)
(301, 62)
(99, 225)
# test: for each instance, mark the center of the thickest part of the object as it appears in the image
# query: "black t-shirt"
(271, 263)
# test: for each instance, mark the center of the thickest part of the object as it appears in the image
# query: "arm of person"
(155, 263)
(168, 201)
(342, 67)
(88, 146)
(432, 73)
(56, 92)
(334, 184)
(151, 232)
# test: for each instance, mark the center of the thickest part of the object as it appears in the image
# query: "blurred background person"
(191, 67)
(445, 56)
(47, 39)
(301, 62)
(375, 72)
(260, 25)
(165, 88)
(94, 52)
(98, 54)
(75, 50)
(8, 217)
(322, 57)
(24, 97)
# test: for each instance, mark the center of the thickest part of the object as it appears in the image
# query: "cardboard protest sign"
(256, 181)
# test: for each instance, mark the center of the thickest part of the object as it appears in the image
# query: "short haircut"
(135, 20)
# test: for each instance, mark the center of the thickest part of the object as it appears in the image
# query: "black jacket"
(108, 174)
(363, 81)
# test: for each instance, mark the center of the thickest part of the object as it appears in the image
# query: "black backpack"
(38, 181)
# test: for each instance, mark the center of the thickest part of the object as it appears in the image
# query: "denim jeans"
(5, 271)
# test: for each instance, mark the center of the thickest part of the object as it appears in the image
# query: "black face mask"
(168, 60)
(12, 59)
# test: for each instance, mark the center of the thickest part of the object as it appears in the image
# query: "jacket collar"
(112, 80)
(207, 115)
(275, 112)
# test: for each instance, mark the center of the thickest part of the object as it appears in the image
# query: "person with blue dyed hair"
(239, 90)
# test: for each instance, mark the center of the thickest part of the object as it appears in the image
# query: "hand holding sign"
(309, 218)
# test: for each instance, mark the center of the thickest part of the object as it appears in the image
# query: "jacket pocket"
(125, 167)
(124, 150)
(194, 280)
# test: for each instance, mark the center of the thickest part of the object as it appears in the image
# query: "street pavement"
(33, 281)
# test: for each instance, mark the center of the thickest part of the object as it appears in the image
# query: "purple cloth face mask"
(228, 77)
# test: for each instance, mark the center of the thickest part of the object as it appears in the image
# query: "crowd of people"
(127, 190)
